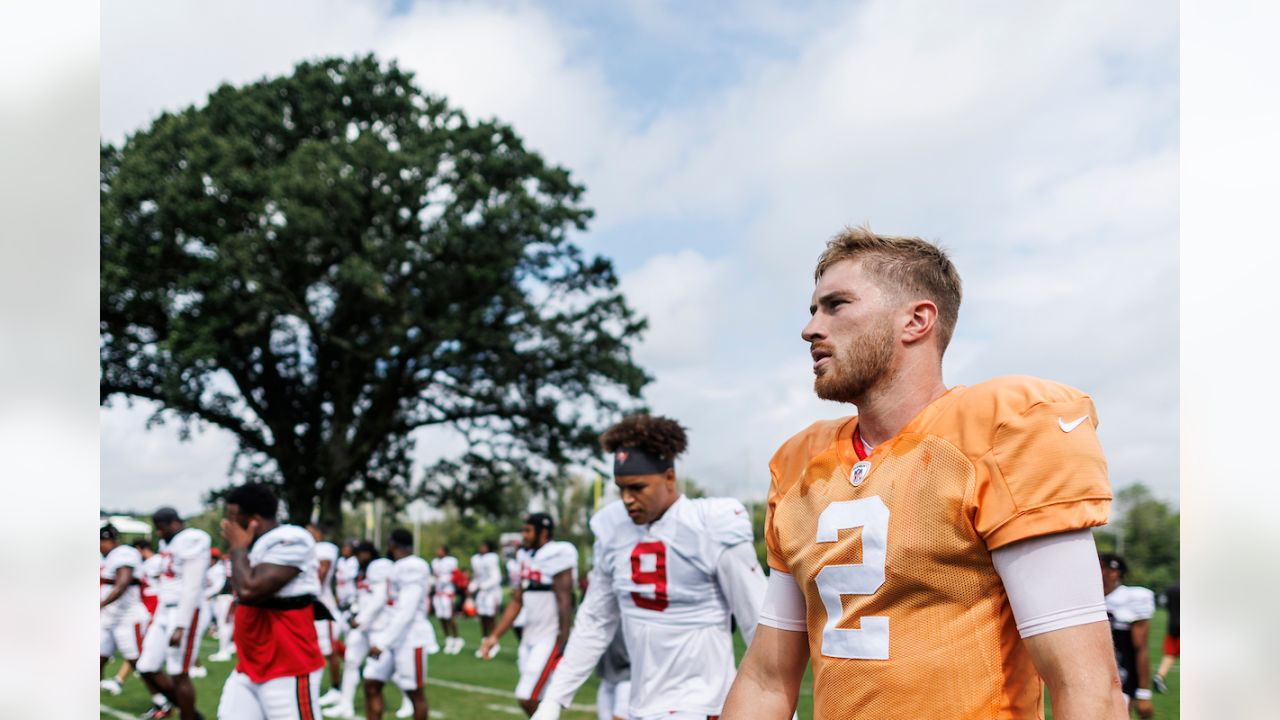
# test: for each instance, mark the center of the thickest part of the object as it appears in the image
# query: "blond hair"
(907, 266)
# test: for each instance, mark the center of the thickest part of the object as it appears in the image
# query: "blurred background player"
(442, 568)
(274, 576)
(344, 580)
(147, 579)
(326, 630)
(547, 577)
(399, 649)
(372, 583)
(613, 697)
(172, 641)
(122, 617)
(1130, 610)
(671, 572)
(1171, 642)
(215, 579)
(486, 588)
(223, 607)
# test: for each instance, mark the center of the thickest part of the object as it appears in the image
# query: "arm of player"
(562, 586)
(768, 681)
(743, 583)
(504, 623)
(407, 604)
(1055, 591)
(194, 562)
(1078, 665)
(1140, 632)
(593, 630)
(322, 572)
(124, 576)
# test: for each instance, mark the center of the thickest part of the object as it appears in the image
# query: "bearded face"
(858, 361)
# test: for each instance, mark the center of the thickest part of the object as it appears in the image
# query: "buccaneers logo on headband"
(635, 461)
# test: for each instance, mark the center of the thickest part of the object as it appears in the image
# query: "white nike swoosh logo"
(1068, 427)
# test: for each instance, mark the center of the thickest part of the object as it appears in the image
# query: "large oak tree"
(325, 262)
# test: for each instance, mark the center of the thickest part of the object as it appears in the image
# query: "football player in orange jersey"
(932, 555)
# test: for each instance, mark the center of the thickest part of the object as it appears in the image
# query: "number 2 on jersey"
(649, 567)
(871, 642)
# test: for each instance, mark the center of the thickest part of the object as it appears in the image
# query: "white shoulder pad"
(555, 557)
(192, 543)
(326, 551)
(605, 524)
(411, 569)
(726, 519)
(378, 570)
(285, 545)
(1137, 603)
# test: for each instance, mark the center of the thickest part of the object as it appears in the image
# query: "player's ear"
(921, 318)
(669, 476)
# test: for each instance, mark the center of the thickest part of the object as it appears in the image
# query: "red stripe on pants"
(546, 672)
(417, 664)
(137, 633)
(191, 641)
(304, 698)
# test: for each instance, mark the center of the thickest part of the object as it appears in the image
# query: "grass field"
(462, 687)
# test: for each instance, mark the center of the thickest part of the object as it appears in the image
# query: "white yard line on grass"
(508, 709)
(116, 713)
(496, 693)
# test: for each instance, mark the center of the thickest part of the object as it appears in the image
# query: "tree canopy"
(1145, 531)
(323, 263)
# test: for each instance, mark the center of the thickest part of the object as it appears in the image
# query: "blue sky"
(720, 149)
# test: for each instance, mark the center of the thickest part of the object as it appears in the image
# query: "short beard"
(857, 368)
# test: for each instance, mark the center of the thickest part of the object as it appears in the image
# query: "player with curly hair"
(670, 570)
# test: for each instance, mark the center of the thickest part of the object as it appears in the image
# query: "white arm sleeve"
(742, 581)
(407, 604)
(593, 630)
(1053, 582)
(195, 560)
(784, 606)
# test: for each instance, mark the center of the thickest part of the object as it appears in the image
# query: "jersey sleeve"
(1044, 472)
(290, 549)
(193, 555)
(564, 558)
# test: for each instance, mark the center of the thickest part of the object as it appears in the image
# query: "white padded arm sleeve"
(593, 630)
(1053, 582)
(784, 607)
(740, 579)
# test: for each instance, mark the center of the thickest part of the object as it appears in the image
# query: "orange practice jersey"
(907, 618)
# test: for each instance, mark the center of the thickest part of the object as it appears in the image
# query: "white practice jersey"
(327, 551)
(442, 570)
(513, 567)
(185, 559)
(291, 546)
(152, 568)
(1128, 604)
(344, 580)
(537, 571)
(121, 556)
(486, 571)
(410, 578)
(373, 595)
(674, 587)
(215, 578)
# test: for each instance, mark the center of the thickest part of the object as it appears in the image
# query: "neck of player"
(892, 403)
